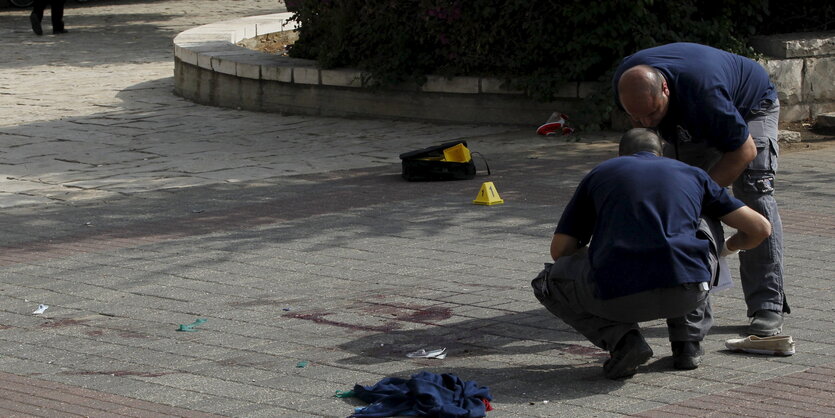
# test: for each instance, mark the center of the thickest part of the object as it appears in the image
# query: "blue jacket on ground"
(711, 92)
(425, 394)
(641, 213)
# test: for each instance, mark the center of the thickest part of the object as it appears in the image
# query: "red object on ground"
(555, 125)
(487, 405)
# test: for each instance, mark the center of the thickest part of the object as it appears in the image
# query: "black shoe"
(630, 352)
(687, 355)
(57, 31)
(766, 323)
(36, 24)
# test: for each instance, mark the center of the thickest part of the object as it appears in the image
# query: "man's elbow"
(761, 231)
(748, 151)
(758, 231)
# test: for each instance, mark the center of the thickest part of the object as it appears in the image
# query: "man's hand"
(727, 251)
(733, 163)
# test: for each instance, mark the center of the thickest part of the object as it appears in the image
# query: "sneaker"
(630, 352)
(36, 24)
(687, 355)
(766, 323)
(57, 31)
(776, 345)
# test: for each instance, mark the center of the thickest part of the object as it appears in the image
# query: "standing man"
(57, 15)
(718, 111)
(650, 256)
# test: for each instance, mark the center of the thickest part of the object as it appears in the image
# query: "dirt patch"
(810, 139)
(272, 43)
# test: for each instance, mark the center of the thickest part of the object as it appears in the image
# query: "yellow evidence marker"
(488, 195)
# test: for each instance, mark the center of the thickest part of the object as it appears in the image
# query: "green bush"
(535, 45)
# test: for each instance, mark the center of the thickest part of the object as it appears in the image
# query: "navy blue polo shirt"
(711, 92)
(643, 213)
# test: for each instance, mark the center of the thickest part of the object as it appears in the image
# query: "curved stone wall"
(211, 69)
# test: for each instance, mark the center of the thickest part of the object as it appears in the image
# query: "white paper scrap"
(423, 353)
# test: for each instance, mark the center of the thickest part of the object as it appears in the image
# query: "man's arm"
(751, 229)
(562, 245)
(733, 163)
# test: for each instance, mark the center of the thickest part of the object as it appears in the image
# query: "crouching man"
(651, 255)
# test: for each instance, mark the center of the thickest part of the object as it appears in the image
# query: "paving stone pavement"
(130, 211)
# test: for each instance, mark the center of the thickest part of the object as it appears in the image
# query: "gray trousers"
(566, 289)
(761, 268)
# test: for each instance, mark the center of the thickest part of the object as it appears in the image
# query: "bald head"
(640, 80)
(644, 94)
(640, 139)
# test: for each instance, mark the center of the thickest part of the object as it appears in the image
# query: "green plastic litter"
(302, 364)
(344, 394)
(190, 327)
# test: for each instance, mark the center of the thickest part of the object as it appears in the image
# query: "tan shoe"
(777, 345)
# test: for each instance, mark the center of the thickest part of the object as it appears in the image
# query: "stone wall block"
(587, 88)
(275, 73)
(568, 90)
(440, 84)
(825, 121)
(818, 85)
(795, 112)
(306, 75)
(494, 86)
(185, 55)
(818, 109)
(342, 78)
(787, 76)
(224, 65)
(812, 44)
(204, 61)
(248, 70)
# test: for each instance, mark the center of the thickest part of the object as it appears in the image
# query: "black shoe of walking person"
(57, 31)
(687, 355)
(36, 24)
(629, 353)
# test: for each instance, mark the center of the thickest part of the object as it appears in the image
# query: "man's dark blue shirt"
(641, 213)
(711, 92)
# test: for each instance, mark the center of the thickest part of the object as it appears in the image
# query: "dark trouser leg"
(761, 268)
(695, 325)
(38, 7)
(567, 291)
(57, 15)
(559, 289)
